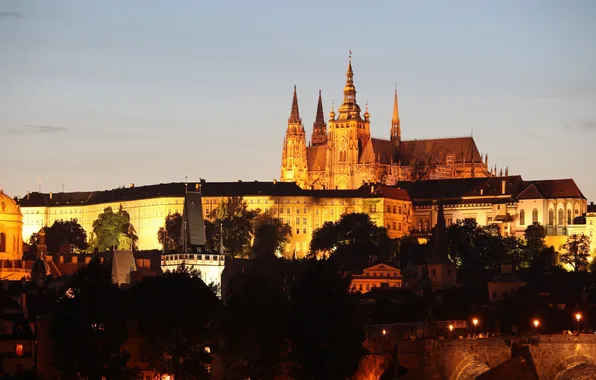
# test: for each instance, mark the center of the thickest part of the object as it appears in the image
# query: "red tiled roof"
(557, 188)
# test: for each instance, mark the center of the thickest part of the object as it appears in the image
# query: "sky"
(100, 94)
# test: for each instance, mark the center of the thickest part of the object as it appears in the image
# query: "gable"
(381, 267)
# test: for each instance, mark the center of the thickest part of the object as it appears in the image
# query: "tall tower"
(395, 124)
(349, 133)
(319, 127)
(293, 160)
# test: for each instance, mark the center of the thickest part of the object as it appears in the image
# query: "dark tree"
(176, 314)
(271, 236)
(63, 233)
(256, 326)
(577, 250)
(534, 235)
(327, 323)
(472, 247)
(236, 221)
(169, 236)
(113, 231)
(89, 327)
(353, 236)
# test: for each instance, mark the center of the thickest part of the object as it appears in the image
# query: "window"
(399, 210)
(394, 210)
(569, 216)
(317, 212)
(297, 231)
(399, 226)
(535, 216)
(388, 208)
(394, 226)
(551, 217)
(297, 220)
(297, 210)
(522, 217)
(2, 242)
(288, 210)
(561, 217)
(304, 221)
(304, 231)
(19, 350)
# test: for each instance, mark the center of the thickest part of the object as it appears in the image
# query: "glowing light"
(207, 349)
(19, 350)
(536, 323)
(450, 327)
(475, 322)
(384, 332)
(578, 316)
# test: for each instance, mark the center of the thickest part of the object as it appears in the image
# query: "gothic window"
(561, 217)
(522, 217)
(535, 216)
(551, 217)
(2, 242)
(342, 156)
(569, 216)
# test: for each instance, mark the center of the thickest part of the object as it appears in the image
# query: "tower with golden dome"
(347, 156)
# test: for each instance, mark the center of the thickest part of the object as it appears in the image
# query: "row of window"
(394, 226)
(551, 216)
(396, 210)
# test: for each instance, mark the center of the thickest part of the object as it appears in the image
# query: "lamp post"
(450, 330)
(475, 323)
(578, 316)
(536, 323)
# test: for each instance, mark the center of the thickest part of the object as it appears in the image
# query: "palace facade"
(148, 206)
(346, 156)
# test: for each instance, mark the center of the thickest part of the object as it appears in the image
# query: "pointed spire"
(395, 123)
(349, 109)
(294, 114)
(319, 128)
(440, 255)
(506, 171)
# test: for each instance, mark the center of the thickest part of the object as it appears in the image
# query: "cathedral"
(346, 156)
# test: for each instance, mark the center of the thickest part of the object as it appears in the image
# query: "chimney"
(132, 185)
(61, 259)
(275, 182)
(87, 259)
(503, 184)
(74, 259)
(202, 180)
(50, 195)
(27, 195)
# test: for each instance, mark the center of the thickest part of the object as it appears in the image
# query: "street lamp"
(384, 332)
(578, 316)
(450, 330)
(536, 323)
(475, 322)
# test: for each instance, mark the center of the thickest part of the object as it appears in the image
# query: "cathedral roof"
(316, 157)
(368, 152)
(428, 152)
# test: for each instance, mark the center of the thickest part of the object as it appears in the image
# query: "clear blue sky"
(99, 94)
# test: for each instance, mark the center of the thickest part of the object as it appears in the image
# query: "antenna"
(39, 183)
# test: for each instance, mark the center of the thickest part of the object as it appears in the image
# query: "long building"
(148, 207)
(407, 208)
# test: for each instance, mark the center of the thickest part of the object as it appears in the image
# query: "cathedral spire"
(349, 109)
(319, 128)
(395, 123)
(294, 114)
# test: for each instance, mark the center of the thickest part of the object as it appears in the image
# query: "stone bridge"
(544, 357)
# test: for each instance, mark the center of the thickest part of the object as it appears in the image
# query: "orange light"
(475, 321)
(384, 332)
(19, 350)
(536, 323)
(450, 327)
(578, 316)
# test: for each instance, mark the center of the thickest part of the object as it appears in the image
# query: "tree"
(327, 323)
(353, 236)
(271, 236)
(534, 235)
(169, 236)
(578, 251)
(68, 233)
(236, 221)
(255, 326)
(113, 230)
(176, 314)
(514, 248)
(471, 247)
(89, 326)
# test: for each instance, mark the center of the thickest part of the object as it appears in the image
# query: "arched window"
(551, 217)
(522, 217)
(561, 217)
(569, 216)
(535, 216)
(2, 242)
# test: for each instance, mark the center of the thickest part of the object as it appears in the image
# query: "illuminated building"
(346, 156)
(148, 206)
(377, 276)
(12, 267)
(586, 225)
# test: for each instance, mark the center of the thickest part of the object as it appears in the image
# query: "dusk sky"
(99, 94)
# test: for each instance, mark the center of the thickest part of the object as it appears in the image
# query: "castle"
(346, 156)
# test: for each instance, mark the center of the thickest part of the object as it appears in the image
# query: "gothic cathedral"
(346, 156)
